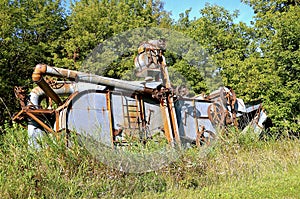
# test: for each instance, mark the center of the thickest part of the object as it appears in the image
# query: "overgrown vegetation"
(237, 166)
(260, 62)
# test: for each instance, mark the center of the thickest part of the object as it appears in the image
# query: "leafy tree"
(28, 30)
(277, 37)
(92, 21)
(226, 43)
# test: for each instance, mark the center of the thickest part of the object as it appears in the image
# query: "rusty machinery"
(109, 110)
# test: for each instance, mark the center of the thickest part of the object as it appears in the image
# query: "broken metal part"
(20, 93)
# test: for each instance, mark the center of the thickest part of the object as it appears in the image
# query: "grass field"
(236, 166)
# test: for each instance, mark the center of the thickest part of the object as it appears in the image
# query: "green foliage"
(226, 43)
(277, 37)
(27, 34)
(91, 22)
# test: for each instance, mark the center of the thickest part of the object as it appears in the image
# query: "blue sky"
(179, 6)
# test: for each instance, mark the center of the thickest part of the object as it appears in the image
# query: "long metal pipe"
(61, 72)
(37, 93)
(37, 77)
(121, 84)
(96, 79)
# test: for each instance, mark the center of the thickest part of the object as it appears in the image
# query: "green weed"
(237, 165)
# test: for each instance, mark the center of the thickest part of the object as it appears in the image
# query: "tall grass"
(237, 165)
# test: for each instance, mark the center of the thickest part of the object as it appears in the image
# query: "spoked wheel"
(216, 114)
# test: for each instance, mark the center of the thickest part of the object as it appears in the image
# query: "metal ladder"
(132, 113)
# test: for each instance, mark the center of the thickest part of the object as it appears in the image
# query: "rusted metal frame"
(39, 111)
(17, 116)
(27, 110)
(20, 94)
(40, 122)
(137, 111)
(217, 97)
(211, 108)
(185, 117)
(195, 117)
(166, 79)
(258, 116)
(173, 118)
(125, 122)
(199, 136)
(142, 108)
(127, 116)
(110, 112)
(132, 112)
(57, 114)
(56, 121)
(149, 116)
(142, 112)
(224, 112)
(170, 109)
(67, 102)
(166, 121)
(231, 100)
(31, 113)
